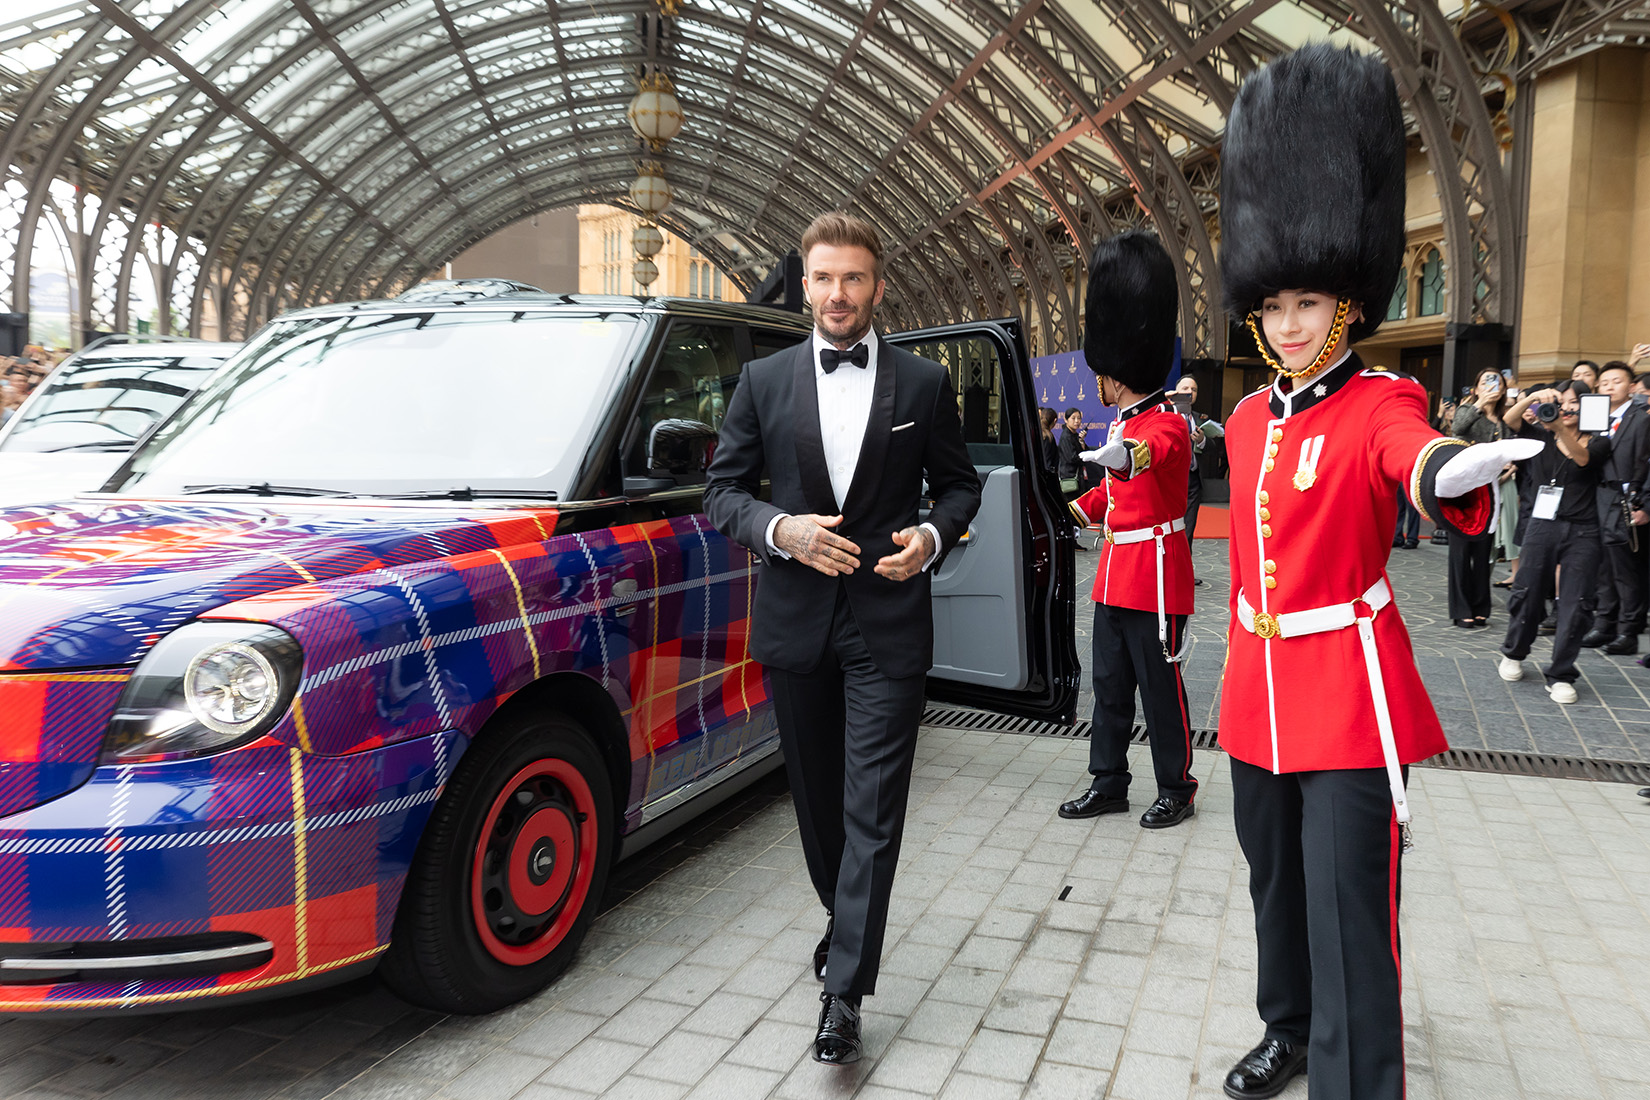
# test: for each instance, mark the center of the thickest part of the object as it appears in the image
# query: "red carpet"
(1213, 522)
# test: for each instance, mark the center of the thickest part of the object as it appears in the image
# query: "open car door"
(1005, 595)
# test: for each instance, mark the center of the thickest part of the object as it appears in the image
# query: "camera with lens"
(1546, 411)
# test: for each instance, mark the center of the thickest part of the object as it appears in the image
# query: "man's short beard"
(848, 339)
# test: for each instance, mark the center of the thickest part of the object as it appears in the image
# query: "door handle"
(623, 590)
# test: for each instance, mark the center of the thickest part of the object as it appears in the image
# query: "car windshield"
(105, 404)
(392, 403)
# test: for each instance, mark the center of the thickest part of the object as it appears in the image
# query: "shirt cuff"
(767, 537)
(935, 556)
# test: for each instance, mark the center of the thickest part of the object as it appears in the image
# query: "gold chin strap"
(1342, 307)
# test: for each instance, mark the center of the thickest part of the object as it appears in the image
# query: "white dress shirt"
(845, 397)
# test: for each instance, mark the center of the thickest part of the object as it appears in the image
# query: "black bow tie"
(830, 358)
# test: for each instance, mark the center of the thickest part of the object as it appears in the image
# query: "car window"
(106, 404)
(398, 402)
(764, 342)
(692, 381)
(977, 377)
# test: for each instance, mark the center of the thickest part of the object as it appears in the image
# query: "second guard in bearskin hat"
(1322, 708)
(1143, 587)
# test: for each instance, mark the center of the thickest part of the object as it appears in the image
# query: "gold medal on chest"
(1306, 469)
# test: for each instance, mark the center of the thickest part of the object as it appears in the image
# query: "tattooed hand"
(809, 540)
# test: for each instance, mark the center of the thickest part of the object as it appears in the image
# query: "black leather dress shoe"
(1623, 645)
(838, 1042)
(823, 951)
(1091, 803)
(1595, 638)
(1644, 792)
(1265, 1071)
(1165, 812)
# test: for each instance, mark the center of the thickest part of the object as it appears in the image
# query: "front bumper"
(303, 853)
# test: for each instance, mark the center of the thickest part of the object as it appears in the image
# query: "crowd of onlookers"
(1572, 522)
(21, 375)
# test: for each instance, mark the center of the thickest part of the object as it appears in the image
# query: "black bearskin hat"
(1132, 305)
(1312, 183)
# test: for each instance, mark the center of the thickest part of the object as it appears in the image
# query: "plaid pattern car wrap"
(416, 626)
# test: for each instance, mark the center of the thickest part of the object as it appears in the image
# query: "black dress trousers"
(1127, 655)
(1324, 852)
(1548, 545)
(1469, 577)
(1622, 577)
(849, 735)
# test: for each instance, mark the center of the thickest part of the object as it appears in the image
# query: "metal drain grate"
(1495, 761)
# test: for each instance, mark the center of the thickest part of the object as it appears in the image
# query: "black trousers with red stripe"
(1323, 854)
(1128, 655)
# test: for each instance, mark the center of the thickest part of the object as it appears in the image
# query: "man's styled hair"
(1586, 363)
(1617, 364)
(842, 231)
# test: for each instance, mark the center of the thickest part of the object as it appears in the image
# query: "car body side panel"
(307, 852)
(655, 613)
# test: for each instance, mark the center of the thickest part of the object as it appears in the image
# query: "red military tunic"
(1149, 493)
(1315, 476)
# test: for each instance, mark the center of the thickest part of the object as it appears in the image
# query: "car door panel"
(1005, 595)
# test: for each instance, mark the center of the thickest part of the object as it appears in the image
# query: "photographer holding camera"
(1562, 537)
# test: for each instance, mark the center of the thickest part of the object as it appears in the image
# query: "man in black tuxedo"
(845, 427)
(1623, 566)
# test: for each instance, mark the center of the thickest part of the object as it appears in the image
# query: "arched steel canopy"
(234, 158)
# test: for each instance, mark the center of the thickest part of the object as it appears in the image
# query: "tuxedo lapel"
(873, 452)
(805, 433)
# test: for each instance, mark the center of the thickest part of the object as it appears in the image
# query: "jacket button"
(1271, 566)
(1267, 466)
(1271, 582)
(1264, 497)
(1272, 451)
(1266, 530)
(1266, 513)
(1277, 435)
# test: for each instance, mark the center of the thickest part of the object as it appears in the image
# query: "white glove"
(1480, 464)
(1113, 456)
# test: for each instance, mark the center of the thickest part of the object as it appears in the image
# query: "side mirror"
(680, 449)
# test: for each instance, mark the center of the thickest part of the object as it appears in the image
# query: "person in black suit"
(1624, 567)
(845, 428)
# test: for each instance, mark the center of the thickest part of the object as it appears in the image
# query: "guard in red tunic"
(1322, 708)
(1143, 590)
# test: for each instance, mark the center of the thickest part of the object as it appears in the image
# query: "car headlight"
(204, 688)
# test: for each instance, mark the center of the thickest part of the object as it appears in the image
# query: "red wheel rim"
(533, 863)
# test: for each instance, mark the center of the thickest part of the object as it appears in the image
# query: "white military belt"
(1318, 620)
(1157, 532)
(1322, 620)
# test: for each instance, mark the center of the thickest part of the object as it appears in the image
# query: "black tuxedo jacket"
(1629, 451)
(772, 424)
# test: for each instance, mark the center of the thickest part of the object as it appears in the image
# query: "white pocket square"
(907, 424)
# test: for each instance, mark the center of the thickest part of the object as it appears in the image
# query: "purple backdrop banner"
(1063, 381)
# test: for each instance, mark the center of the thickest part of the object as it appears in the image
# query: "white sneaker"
(1510, 669)
(1562, 692)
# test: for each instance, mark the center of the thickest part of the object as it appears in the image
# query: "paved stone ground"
(1526, 933)
(1611, 720)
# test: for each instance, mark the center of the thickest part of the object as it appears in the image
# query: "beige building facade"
(607, 257)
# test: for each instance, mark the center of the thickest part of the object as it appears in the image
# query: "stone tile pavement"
(1028, 957)
(1478, 709)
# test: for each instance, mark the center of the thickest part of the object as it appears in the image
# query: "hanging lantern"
(645, 271)
(655, 114)
(647, 240)
(649, 191)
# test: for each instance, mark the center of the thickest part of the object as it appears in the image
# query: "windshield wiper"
(94, 445)
(467, 493)
(267, 490)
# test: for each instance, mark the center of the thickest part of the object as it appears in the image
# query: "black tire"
(464, 942)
